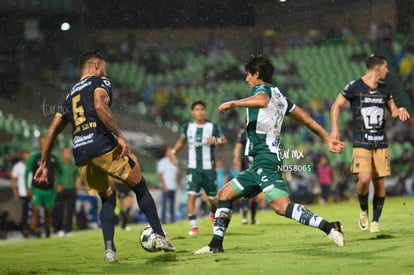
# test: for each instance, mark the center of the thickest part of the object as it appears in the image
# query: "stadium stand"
(323, 71)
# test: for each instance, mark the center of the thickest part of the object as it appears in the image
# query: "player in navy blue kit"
(100, 150)
(369, 98)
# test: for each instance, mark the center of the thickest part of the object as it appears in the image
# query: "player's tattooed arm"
(101, 100)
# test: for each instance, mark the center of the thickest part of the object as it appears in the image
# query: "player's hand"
(214, 140)
(335, 146)
(225, 106)
(126, 150)
(403, 114)
(335, 135)
(41, 174)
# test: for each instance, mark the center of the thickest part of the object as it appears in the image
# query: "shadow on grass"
(310, 251)
(375, 237)
(156, 263)
(341, 253)
(162, 258)
(383, 236)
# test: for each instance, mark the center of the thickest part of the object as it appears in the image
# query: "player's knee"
(364, 178)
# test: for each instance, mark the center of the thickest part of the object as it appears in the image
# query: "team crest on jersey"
(280, 105)
(278, 94)
(106, 82)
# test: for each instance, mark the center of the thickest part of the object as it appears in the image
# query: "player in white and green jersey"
(266, 109)
(201, 136)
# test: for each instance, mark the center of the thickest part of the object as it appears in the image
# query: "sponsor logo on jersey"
(82, 140)
(374, 138)
(375, 100)
(79, 87)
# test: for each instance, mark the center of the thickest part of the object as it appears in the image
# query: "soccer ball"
(147, 239)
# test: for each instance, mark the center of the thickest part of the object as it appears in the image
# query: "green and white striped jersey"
(200, 153)
(264, 124)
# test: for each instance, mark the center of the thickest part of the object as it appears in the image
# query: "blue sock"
(107, 218)
(147, 205)
(363, 202)
(378, 204)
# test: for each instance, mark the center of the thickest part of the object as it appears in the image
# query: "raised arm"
(300, 115)
(259, 100)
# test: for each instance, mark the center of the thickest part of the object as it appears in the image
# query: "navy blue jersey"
(368, 113)
(91, 138)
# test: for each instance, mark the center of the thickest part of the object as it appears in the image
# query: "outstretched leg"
(147, 205)
(282, 206)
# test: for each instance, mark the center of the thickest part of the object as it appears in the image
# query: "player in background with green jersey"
(266, 109)
(201, 136)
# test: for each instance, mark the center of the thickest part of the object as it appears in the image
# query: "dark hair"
(374, 59)
(198, 102)
(262, 64)
(85, 57)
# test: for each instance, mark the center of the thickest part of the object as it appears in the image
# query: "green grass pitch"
(275, 246)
